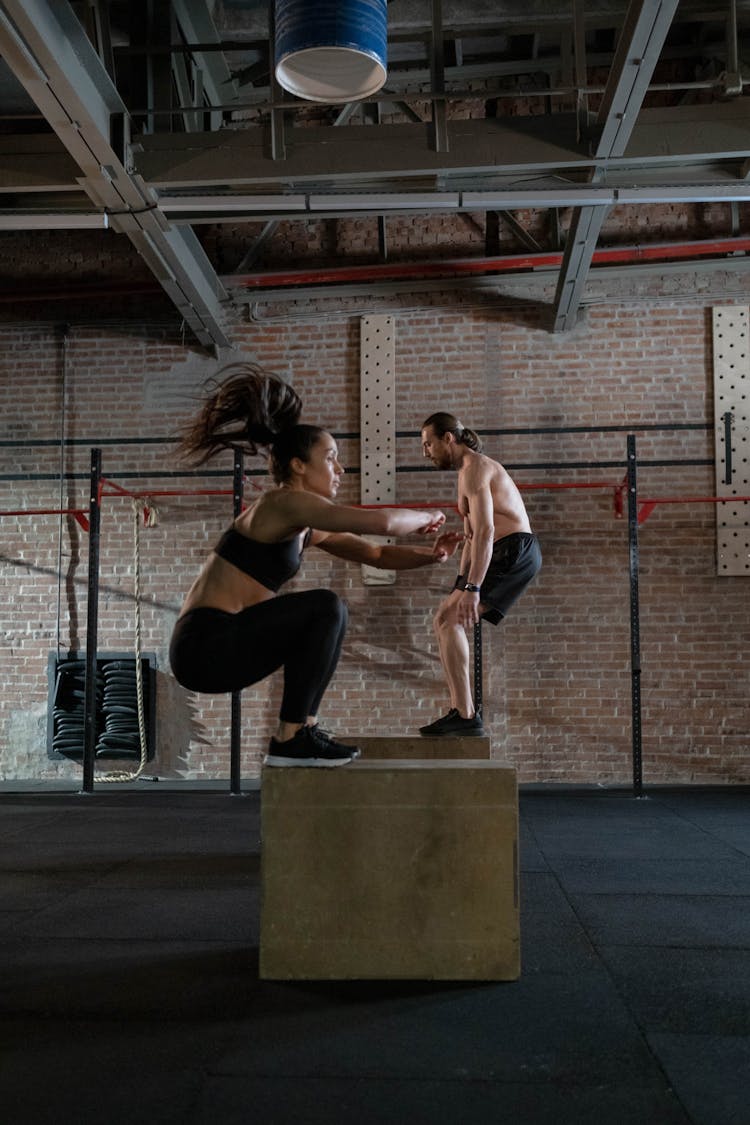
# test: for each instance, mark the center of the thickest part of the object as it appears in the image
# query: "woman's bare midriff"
(220, 585)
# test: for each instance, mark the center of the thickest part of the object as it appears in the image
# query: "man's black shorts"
(516, 559)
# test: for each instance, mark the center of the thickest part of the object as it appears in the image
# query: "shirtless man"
(500, 557)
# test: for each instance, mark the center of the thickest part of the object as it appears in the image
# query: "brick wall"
(557, 681)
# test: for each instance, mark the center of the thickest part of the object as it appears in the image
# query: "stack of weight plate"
(68, 708)
(120, 737)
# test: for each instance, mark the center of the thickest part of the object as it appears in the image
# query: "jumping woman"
(235, 628)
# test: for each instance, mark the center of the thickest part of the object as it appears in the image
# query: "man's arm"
(481, 520)
(466, 551)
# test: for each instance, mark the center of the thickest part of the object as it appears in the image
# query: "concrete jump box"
(390, 870)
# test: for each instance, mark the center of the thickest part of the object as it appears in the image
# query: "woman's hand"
(445, 545)
(433, 522)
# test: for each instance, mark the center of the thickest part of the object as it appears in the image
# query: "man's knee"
(440, 620)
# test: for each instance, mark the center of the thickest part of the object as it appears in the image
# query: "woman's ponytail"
(247, 408)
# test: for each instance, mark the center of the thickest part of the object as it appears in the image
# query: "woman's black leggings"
(213, 651)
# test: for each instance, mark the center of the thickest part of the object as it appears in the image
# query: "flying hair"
(247, 408)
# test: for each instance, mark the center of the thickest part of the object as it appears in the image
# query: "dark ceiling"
(162, 122)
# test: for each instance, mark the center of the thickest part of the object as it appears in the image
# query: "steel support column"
(92, 624)
(635, 623)
(235, 751)
(646, 26)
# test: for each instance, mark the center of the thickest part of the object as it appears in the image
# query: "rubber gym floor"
(129, 989)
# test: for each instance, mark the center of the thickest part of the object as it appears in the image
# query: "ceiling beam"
(665, 142)
(698, 134)
(197, 26)
(49, 53)
(437, 80)
(270, 209)
(642, 38)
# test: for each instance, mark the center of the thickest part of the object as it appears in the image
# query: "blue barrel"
(328, 51)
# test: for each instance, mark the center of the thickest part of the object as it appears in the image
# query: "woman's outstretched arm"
(386, 556)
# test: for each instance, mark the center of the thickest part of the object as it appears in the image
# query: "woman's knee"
(330, 606)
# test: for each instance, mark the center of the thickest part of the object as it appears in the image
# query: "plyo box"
(390, 870)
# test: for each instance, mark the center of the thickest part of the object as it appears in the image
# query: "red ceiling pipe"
(394, 271)
(459, 267)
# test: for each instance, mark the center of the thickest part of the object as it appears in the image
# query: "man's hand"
(461, 608)
(468, 608)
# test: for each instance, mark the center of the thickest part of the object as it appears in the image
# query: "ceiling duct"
(331, 51)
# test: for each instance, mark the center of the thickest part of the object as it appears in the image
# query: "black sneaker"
(454, 724)
(310, 746)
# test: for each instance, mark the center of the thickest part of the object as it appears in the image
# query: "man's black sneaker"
(454, 724)
(439, 724)
(310, 746)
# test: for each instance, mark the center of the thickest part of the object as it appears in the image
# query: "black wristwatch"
(471, 588)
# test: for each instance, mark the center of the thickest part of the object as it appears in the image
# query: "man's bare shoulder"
(479, 471)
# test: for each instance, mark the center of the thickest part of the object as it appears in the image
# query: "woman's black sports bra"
(271, 564)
